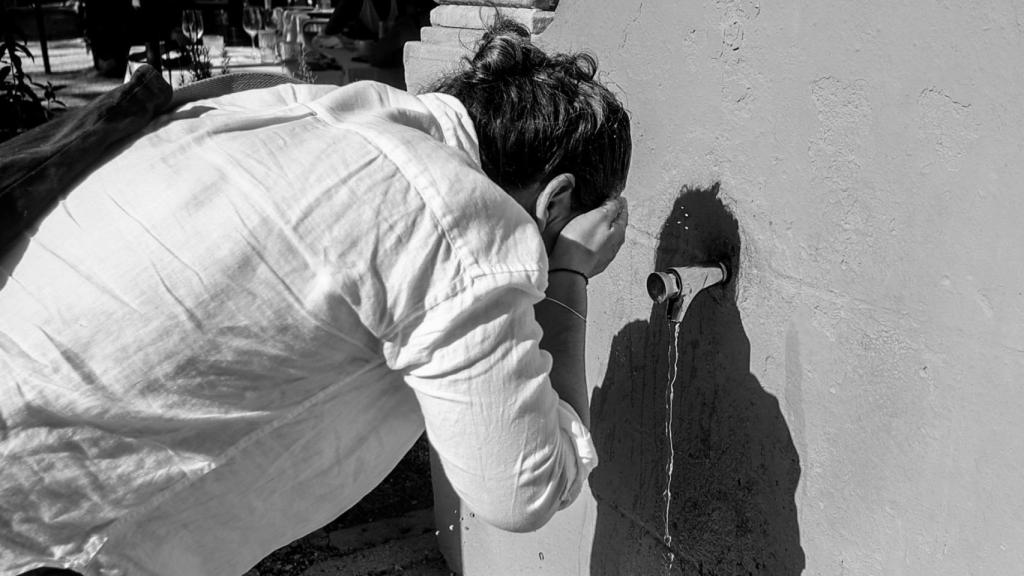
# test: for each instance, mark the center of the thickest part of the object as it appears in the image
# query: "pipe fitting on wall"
(678, 286)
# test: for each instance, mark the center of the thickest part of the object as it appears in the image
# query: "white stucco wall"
(872, 154)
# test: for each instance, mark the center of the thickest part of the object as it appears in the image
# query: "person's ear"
(554, 203)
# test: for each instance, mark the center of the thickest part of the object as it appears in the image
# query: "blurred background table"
(337, 65)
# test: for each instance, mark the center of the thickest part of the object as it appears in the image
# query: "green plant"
(21, 109)
(198, 58)
(304, 72)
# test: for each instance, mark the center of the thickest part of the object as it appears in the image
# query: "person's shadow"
(731, 509)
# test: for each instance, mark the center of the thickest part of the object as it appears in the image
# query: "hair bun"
(506, 51)
(538, 115)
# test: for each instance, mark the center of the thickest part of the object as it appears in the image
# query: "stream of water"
(673, 357)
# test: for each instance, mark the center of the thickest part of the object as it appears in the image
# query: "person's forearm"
(565, 338)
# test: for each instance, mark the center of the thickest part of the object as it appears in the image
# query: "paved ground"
(72, 69)
(405, 545)
(390, 531)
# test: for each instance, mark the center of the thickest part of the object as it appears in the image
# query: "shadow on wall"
(731, 507)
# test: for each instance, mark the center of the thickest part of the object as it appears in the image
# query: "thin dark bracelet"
(577, 272)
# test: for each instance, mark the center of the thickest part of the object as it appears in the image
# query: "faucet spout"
(678, 286)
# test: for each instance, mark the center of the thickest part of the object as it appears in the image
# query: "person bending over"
(232, 330)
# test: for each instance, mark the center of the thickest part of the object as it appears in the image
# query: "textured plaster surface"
(851, 404)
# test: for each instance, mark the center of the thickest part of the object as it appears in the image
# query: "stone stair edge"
(466, 37)
(540, 4)
(480, 17)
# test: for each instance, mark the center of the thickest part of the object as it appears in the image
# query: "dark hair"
(539, 115)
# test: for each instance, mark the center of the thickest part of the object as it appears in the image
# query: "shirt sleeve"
(514, 452)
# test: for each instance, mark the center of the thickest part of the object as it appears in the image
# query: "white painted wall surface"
(872, 153)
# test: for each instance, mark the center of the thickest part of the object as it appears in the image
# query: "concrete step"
(460, 37)
(540, 4)
(480, 17)
(425, 63)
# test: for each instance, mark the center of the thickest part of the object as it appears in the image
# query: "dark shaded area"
(51, 572)
(736, 469)
(405, 489)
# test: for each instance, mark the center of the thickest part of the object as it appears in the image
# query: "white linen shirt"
(233, 330)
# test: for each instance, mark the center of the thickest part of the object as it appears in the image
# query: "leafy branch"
(21, 109)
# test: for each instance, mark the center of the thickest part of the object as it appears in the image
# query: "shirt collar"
(456, 126)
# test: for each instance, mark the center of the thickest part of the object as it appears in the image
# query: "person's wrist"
(569, 271)
(568, 289)
(560, 262)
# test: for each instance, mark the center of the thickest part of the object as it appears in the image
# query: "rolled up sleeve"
(514, 452)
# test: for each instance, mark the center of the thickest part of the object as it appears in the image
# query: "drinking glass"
(252, 21)
(192, 25)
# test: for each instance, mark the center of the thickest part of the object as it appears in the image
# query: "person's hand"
(590, 241)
